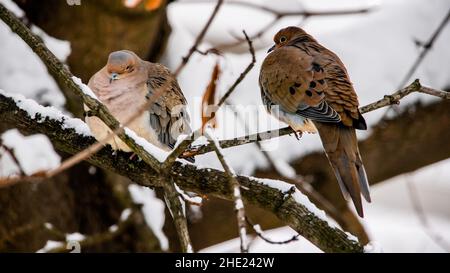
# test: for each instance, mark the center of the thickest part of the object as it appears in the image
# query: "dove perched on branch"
(124, 85)
(307, 86)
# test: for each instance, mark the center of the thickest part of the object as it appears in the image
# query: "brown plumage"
(302, 81)
(124, 85)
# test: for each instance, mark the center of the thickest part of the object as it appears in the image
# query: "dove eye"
(283, 39)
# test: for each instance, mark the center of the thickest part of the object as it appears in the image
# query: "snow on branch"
(262, 193)
(235, 187)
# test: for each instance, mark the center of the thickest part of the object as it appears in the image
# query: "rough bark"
(188, 177)
(96, 28)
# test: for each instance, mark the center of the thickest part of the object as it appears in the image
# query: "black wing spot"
(321, 81)
(297, 85)
(292, 90)
(316, 67)
(312, 84)
(308, 93)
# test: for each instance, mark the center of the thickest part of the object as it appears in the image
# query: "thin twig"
(63, 72)
(243, 74)
(98, 238)
(420, 212)
(202, 181)
(199, 38)
(257, 35)
(289, 13)
(261, 136)
(10, 151)
(100, 111)
(426, 48)
(278, 15)
(235, 188)
(261, 235)
(304, 187)
(397, 96)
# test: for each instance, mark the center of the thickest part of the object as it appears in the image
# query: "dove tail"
(341, 147)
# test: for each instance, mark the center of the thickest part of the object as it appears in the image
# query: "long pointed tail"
(341, 147)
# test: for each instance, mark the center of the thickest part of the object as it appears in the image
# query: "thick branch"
(203, 181)
(61, 71)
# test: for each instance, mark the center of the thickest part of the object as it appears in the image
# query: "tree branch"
(278, 15)
(426, 48)
(385, 101)
(243, 74)
(235, 188)
(199, 38)
(294, 209)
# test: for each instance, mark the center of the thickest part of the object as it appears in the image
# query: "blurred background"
(405, 149)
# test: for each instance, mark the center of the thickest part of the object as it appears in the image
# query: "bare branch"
(426, 48)
(261, 136)
(261, 235)
(397, 96)
(289, 13)
(175, 206)
(199, 38)
(100, 111)
(277, 16)
(189, 178)
(99, 238)
(10, 151)
(235, 187)
(64, 74)
(243, 74)
(419, 209)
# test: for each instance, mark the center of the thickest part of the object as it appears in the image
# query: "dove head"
(121, 64)
(288, 35)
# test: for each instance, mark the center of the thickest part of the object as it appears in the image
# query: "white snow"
(77, 237)
(153, 150)
(187, 197)
(113, 228)
(86, 89)
(297, 195)
(34, 153)
(125, 214)
(373, 247)
(40, 113)
(239, 204)
(153, 210)
(377, 60)
(377, 49)
(50, 245)
(392, 223)
(284, 168)
(22, 71)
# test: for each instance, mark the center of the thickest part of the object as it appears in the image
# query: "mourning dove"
(307, 86)
(124, 85)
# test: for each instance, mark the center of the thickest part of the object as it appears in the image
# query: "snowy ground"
(377, 49)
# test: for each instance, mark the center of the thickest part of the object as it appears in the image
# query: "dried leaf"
(208, 100)
(150, 5)
(153, 4)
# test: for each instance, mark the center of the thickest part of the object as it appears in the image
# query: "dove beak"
(114, 76)
(271, 49)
